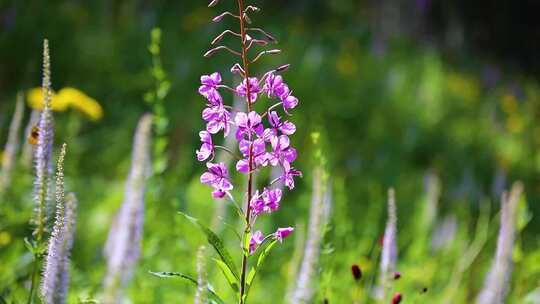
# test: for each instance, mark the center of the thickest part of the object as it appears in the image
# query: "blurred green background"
(400, 91)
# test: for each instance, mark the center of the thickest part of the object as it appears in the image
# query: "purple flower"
(208, 88)
(281, 90)
(267, 202)
(286, 127)
(256, 239)
(257, 204)
(217, 176)
(282, 152)
(282, 233)
(218, 118)
(259, 154)
(207, 148)
(289, 101)
(288, 175)
(274, 85)
(271, 199)
(254, 89)
(248, 124)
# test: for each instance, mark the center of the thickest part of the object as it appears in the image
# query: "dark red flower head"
(397, 298)
(397, 275)
(356, 272)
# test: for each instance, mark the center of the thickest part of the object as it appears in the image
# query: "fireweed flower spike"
(260, 144)
(123, 243)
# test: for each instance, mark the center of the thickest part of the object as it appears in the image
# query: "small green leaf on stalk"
(260, 261)
(245, 243)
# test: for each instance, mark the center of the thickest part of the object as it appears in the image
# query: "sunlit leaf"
(233, 281)
(216, 243)
(167, 274)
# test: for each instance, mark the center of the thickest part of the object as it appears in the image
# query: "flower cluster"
(263, 140)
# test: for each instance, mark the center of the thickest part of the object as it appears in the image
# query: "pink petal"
(208, 178)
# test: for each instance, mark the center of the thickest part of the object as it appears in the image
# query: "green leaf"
(260, 261)
(217, 243)
(246, 242)
(29, 245)
(167, 274)
(233, 281)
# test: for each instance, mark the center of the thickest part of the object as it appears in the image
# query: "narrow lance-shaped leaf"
(167, 274)
(233, 281)
(216, 243)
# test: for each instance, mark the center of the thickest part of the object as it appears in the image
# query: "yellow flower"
(5, 238)
(34, 98)
(81, 102)
(67, 97)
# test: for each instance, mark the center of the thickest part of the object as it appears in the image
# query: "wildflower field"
(268, 152)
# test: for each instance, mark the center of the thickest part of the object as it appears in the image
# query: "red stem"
(245, 63)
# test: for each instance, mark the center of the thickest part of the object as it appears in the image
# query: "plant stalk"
(33, 278)
(245, 63)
